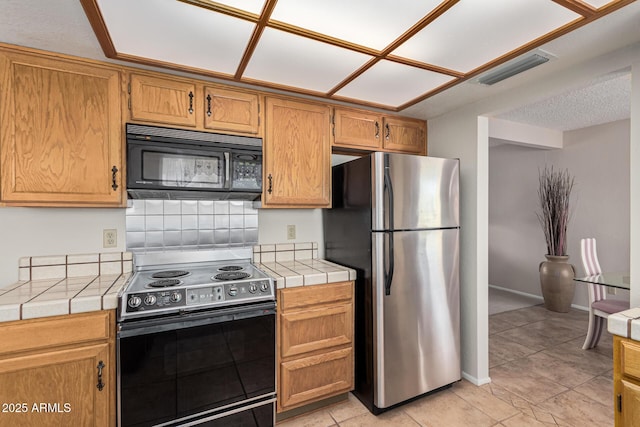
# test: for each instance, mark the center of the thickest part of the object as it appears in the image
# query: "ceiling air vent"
(516, 67)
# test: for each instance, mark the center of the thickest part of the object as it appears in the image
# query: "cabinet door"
(61, 133)
(630, 404)
(231, 110)
(57, 388)
(357, 129)
(405, 135)
(164, 101)
(297, 165)
(312, 378)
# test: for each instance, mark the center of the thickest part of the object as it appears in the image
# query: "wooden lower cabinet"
(315, 343)
(626, 382)
(56, 381)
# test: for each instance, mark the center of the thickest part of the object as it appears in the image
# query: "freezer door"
(414, 192)
(417, 325)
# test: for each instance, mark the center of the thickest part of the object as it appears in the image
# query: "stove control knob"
(150, 299)
(134, 302)
(264, 286)
(233, 291)
(253, 288)
(176, 297)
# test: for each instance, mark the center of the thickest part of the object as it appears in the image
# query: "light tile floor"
(540, 377)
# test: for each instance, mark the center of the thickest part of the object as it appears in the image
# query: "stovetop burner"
(164, 283)
(230, 268)
(231, 275)
(170, 283)
(169, 274)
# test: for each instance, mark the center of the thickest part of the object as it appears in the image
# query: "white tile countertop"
(66, 284)
(625, 323)
(296, 264)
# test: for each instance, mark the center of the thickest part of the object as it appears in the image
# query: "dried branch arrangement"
(554, 193)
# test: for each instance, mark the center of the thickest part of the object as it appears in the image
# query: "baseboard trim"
(538, 297)
(475, 380)
(524, 294)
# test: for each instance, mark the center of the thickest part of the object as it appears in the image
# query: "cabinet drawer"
(312, 295)
(26, 335)
(310, 330)
(630, 355)
(315, 377)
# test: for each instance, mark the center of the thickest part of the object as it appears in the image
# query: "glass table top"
(612, 280)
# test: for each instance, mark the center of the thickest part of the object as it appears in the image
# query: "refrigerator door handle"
(389, 188)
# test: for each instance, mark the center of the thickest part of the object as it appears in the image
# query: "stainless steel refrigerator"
(395, 219)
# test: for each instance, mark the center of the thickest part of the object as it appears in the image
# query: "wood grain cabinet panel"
(61, 132)
(357, 129)
(67, 380)
(231, 110)
(297, 154)
(315, 343)
(312, 378)
(318, 329)
(404, 135)
(163, 100)
(64, 381)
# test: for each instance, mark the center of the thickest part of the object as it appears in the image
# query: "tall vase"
(556, 280)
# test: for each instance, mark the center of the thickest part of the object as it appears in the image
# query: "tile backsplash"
(158, 225)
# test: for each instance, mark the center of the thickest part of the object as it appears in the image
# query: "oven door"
(206, 368)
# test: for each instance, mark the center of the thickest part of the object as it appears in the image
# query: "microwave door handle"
(227, 170)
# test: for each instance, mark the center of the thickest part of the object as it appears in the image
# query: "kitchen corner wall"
(56, 231)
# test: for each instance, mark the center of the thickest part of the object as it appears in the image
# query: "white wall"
(597, 158)
(272, 226)
(53, 231)
(61, 231)
(634, 164)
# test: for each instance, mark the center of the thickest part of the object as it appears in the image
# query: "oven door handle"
(192, 319)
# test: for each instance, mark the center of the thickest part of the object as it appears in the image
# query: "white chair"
(599, 306)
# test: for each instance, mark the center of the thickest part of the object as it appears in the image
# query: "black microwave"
(165, 163)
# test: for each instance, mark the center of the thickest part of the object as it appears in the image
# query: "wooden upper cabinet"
(231, 110)
(61, 132)
(367, 131)
(404, 135)
(163, 101)
(357, 129)
(297, 154)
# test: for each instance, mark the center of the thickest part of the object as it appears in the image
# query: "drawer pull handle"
(388, 131)
(377, 130)
(209, 105)
(190, 102)
(270, 178)
(100, 367)
(114, 184)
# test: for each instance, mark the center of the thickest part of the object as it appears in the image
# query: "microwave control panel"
(246, 173)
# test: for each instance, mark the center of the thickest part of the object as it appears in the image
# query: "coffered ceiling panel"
(384, 53)
(597, 3)
(487, 29)
(390, 83)
(290, 60)
(176, 33)
(363, 22)
(252, 6)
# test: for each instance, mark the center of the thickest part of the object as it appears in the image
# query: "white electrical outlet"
(291, 232)
(109, 238)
